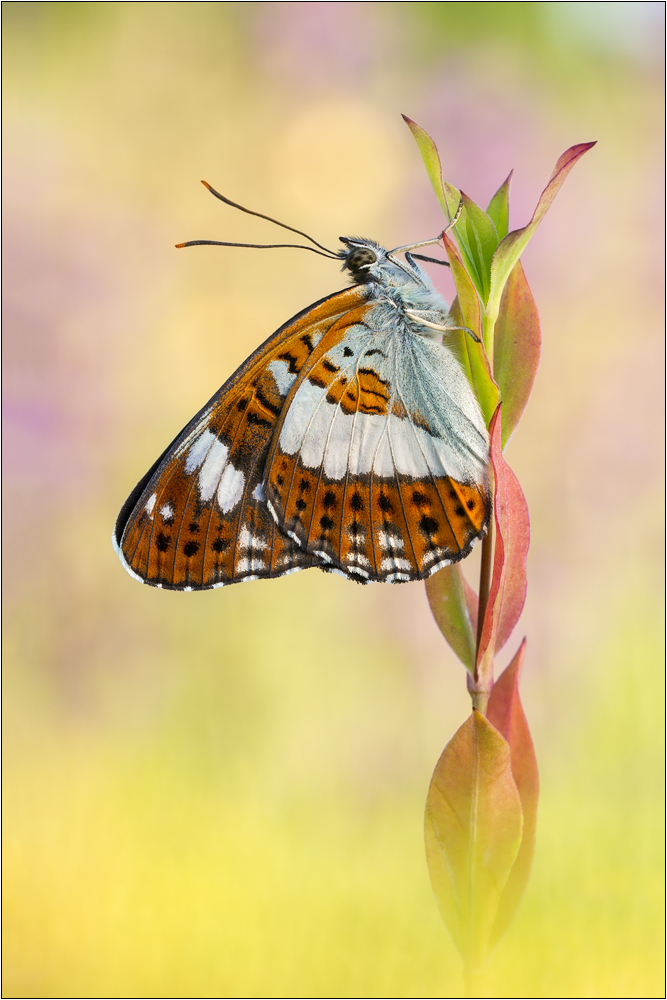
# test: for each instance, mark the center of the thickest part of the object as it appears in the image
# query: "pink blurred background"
(221, 793)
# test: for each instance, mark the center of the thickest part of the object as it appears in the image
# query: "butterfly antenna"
(260, 215)
(254, 246)
(454, 220)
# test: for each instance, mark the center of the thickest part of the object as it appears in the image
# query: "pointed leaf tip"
(447, 195)
(499, 210)
(513, 245)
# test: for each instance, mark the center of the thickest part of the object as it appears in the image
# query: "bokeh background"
(221, 794)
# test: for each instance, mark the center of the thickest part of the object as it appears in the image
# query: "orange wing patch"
(377, 528)
(365, 392)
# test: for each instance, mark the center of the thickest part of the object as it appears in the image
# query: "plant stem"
(485, 579)
(488, 329)
(480, 689)
(474, 981)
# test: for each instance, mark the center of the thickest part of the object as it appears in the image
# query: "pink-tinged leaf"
(517, 348)
(471, 354)
(505, 712)
(454, 606)
(499, 208)
(507, 593)
(446, 193)
(473, 829)
(515, 243)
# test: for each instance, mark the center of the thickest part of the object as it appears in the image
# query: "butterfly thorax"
(402, 286)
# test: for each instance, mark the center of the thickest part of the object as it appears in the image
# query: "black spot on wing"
(384, 503)
(357, 502)
(428, 525)
(292, 362)
(254, 418)
(266, 403)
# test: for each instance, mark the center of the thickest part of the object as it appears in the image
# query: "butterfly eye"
(360, 258)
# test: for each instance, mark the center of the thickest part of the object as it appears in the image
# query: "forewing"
(378, 464)
(199, 518)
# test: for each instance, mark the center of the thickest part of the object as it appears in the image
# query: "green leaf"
(499, 208)
(469, 306)
(517, 348)
(505, 712)
(478, 240)
(454, 606)
(515, 243)
(446, 193)
(473, 830)
(467, 311)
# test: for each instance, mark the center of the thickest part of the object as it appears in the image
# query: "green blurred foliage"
(222, 794)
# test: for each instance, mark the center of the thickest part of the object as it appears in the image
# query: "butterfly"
(350, 440)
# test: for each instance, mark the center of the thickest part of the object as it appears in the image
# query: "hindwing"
(378, 461)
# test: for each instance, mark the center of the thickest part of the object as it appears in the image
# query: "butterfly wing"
(199, 518)
(378, 464)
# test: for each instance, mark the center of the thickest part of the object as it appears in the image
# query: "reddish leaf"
(515, 243)
(454, 606)
(505, 712)
(473, 832)
(517, 348)
(507, 593)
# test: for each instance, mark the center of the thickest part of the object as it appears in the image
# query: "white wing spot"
(150, 503)
(284, 379)
(166, 511)
(392, 542)
(357, 569)
(199, 451)
(211, 470)
(246, 565)
(395, 562)
(230, 489)
(247, 540)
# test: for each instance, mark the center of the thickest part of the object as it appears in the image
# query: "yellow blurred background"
(221, 794)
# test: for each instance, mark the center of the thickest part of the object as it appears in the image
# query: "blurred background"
(221, 794)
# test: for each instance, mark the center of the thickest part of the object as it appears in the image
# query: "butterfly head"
(368, 262)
